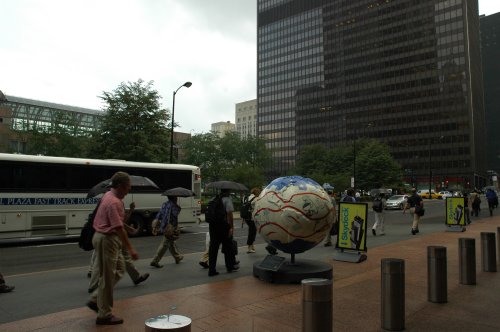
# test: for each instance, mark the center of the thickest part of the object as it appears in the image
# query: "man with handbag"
(416, 206)
(221, 232)
(168, 216)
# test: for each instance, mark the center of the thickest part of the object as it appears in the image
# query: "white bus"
(42, 197)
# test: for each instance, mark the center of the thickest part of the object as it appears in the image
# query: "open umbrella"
(136, 182)
(178, 192)
(230, 185)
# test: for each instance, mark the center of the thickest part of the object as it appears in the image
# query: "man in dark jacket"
(414, 203)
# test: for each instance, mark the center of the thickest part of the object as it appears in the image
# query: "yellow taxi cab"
(424, 193)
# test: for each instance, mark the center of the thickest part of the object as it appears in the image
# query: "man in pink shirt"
(109, 238)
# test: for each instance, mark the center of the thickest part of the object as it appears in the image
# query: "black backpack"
(246, 208)
(215, 212)
(377, 205)
(87, 233)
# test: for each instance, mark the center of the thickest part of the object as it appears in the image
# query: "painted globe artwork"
(293, 214)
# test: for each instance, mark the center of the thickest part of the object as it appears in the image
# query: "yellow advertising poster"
(455, 211)
(352, 226)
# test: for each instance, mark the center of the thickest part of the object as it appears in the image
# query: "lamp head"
(187, 84)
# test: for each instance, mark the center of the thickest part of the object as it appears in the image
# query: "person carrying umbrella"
(168, 227)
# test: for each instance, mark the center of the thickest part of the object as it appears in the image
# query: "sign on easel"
(455, 214)
(351, 240)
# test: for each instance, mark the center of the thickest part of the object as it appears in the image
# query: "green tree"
(134, 126)
(228, 158)
(375, 167)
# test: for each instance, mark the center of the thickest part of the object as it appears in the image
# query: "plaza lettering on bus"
(47, 201)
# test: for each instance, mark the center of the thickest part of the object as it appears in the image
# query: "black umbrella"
(136, 182)
(178, 192)
(230, 185)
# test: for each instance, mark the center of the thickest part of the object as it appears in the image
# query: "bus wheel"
(136, 222)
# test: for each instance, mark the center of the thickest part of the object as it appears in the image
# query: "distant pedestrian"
(3, 287)
(334, 229)
(221, 232)
(475, 203)
(349, 197)
(109, 238)
(491, 197)
(252, 229)
(467, 208)
(168, 216)
(379, 205)
(414, 204)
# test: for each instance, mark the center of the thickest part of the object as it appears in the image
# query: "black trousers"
(219, 236)
(252, 232)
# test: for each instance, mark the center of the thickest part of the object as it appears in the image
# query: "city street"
(53, 277)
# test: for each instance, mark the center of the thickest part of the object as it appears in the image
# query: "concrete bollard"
(488, 252)
(437, 278)
(392, 311)
(467, 260)
(317, 305)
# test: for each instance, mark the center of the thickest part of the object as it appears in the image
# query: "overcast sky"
(70, 51)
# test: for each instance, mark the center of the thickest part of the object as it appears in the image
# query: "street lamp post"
(187, 85)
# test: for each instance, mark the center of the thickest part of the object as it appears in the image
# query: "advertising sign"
(455, 211)
(352, 226)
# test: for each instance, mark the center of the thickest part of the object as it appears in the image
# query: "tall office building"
(406, 72)
(246, 118)
(490, 53)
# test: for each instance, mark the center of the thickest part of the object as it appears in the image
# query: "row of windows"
(290, 67)
(291, 37)
(316, 50)
(39, 177)
(303, 46)
(301, 19)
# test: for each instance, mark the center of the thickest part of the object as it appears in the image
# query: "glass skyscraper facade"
(490, 53)
(406, 72)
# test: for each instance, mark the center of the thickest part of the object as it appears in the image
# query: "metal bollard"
(392, 313)
(467, 260)
(488, 252)
(498, 241)
(317, 305)
(437, 279)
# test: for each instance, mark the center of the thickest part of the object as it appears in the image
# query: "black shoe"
(211, 274)
(204, 265)
(92, 306)
(89, 274)
(271, 250)
(413, 231)
(234, 268)
(328, 244)
(6, 289)
(90, 290)
(374, 232)
(112, 320)
(153, 264)
(142, 278)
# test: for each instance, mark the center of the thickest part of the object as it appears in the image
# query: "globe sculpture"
(293, 214)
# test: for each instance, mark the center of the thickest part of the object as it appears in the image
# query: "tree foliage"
(375, 167)
(228, 158)
(134, 126)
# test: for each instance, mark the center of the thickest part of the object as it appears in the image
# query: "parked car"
(396, 202)
(424, 193)
(444, 194)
